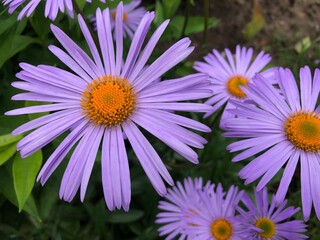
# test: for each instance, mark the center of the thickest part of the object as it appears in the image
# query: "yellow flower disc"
(268, 227)
(233, 86)
(108, 100)
(221, 229)
(303, 130)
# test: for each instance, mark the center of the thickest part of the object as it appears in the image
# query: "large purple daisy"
(102, 98)
(51, 9)
(270, 222)
(215, 217)
(229, 73)
(180, 201)
(284, 127)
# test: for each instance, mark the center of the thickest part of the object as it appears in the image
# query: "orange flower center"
(221, 229)
(303, 130)
(108, 100)
(125, 16)
(268, 227)
(234, 84)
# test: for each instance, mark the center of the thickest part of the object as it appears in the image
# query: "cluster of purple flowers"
(105, 98)
(193, 210)
(273, 117)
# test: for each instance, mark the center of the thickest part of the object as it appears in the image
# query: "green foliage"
(195, 25)
(8, 139)
(124, 217)
(170, 7)
(7, 190)
(40, 25)
(159, 16)
(7, 152)
(24, 171)
(7, 147)
(167, 9)
(12, 39)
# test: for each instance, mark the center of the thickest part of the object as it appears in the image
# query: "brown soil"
(288, 20)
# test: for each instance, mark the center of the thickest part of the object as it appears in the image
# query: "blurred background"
(288, 30)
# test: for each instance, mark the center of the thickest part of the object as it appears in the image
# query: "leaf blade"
(7, 152)
(24, 172)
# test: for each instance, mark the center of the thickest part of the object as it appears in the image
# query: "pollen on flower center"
(124, 18)
(268, 227)
(108, 100)
(303, 131)
(234, 84)
(221, 229)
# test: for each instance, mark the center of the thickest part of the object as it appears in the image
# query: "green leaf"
(170, 7)
(40, 24)
(81, 3)
(159, 17)
(195, 25)
(7, 22)
(8, 139)
(7, 152)
(24, 172)
(256, 24)
(124, 217)
(12, 42)
(7, 189)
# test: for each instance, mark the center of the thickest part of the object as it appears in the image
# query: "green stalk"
(186, 19)
(206, 23)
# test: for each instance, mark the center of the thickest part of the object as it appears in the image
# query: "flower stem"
(206, 23)
(186, 19)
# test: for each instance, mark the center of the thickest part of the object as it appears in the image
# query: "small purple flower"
(199, 212)
(214, 218)
(283, 127)
(51, 9)
(101, 98)
(270, 222)
(132, 15)
(180, 201)
(229, 73)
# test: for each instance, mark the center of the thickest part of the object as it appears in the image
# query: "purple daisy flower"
(102, 98)
(180, 201)
(284, 127)
(215, 217)
(229, 73)
(270, 222)
(51, 9)
(132, 15)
